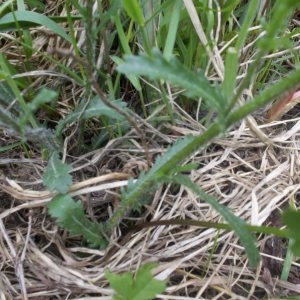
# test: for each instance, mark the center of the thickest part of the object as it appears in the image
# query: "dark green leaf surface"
(71, 216)
(142, 286)
(291, 218)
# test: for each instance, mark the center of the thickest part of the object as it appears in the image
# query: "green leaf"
(70, 215)
(296, 248)
(56, 176)
(133, 79)
(134, 11)
(6, 95)
(183, 148)
(44, 96)
(26, 19)
(172, 30)
(231, 67)
(291, 218)
(95, 108)
(185, 168)
(156, 67)
(142, 286)
(238, 225)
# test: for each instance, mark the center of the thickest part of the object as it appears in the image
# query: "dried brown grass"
(38, 260)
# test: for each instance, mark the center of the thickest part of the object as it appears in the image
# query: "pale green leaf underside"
(56, 176)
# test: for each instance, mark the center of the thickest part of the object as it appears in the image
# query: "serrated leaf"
(142, 286)
(28, 19)
(95, 108)
(56, 176)
(156, 67)
(237, 224)
(133, 79)
(71, 216)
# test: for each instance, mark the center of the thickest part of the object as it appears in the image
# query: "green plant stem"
(281, 233)
(215, 129)
(196, 142)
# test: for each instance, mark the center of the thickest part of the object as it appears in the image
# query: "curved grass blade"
(26, 19)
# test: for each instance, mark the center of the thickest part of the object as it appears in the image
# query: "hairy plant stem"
(195, 143)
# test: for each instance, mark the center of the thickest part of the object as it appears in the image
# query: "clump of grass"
(172, 61)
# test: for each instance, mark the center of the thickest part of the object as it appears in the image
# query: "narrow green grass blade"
(237, 225)
(25, 36)
(10, 147)
(287, 263)
(122, 37)
(230, 73)
(124, 43)
(232, 56)
(171, 37)
(28, 19)
(5, 5)
(14, 88)
(134, 11)
(247, 23)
